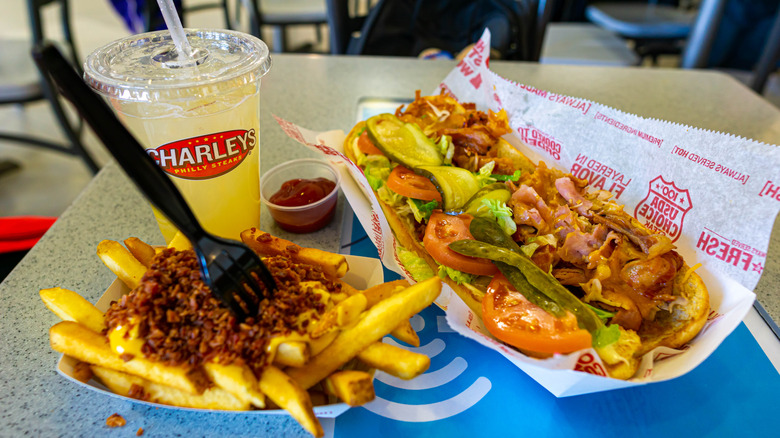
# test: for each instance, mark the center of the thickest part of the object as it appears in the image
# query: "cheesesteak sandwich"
(550, 265)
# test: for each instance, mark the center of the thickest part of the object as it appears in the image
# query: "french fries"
(345, 334)
(212, 398)
(179, 242)
(378, 321)
(70, 306)
(405, 333)
(75, 340)
(121, 262)
(140, 250)
(354, 388)
(343, 314)
(334, 265)
(395, 361)
(292, 354)
(287, 394)
(381, 291)
(238, 380)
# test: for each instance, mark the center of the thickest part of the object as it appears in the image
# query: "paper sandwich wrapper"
(688, 183)
(363, 273)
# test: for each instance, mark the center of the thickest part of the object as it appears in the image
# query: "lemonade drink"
(199, 123)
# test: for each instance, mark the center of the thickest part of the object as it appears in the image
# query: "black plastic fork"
(231, 269)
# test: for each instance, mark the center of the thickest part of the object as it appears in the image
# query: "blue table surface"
(470, 389)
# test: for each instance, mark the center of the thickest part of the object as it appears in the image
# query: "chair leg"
(278, 35)
(73, 137)
(769, 58)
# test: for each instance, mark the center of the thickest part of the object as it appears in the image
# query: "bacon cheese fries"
(551, 266)
(316, 341)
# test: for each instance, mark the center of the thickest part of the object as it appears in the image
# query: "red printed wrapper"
(687, 183)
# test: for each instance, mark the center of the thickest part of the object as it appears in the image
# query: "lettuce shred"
(456, 276)
(615, 344)
(446, 148)
(417, 267)
(422, 210)
(513, 177)
(484, 174)
(603, 315)
(535, 242)
(390, 197)
(377, 169)
(502, 215)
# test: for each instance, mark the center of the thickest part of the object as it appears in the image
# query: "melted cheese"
(124, 340)
(325, 297)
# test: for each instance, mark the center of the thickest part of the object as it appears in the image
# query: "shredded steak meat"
(182, 323)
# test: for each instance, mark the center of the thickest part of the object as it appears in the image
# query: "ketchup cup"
(300, 182)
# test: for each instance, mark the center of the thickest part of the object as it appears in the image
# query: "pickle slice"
(403, 142)
(455, 184)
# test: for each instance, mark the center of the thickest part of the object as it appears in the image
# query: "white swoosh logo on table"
(433, 379)
(430, 380)
(430, 349)
(417, 322)
(431, 411)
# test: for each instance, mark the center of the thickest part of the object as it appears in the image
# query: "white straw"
(171, 17)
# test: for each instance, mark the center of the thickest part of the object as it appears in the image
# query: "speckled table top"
(319, 93)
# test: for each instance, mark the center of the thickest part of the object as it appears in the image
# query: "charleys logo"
(664, 207)
(205, 156)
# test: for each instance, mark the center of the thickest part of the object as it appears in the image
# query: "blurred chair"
(281, 14)
(655, 28)
(705, 31)
(769, 58)
(21, 83)
(406, 27)
(253, 15)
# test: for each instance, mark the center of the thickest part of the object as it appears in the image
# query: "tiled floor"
(48, 182)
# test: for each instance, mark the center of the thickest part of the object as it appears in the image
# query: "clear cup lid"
(145, 67)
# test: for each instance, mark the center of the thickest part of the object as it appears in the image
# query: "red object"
(20, 233)
(304, 205)
(365, 145)
(407, 183)
(444, 229)
(205, 156)
(510, 317)
(297, 192)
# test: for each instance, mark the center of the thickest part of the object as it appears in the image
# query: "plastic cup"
(199, 122)
(303, 218)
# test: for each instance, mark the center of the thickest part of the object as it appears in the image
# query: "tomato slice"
(510, 317)
(443, 229)
(407, 183)
(365, 145)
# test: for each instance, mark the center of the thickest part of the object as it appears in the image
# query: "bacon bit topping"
(263, 237)
(182, 323)
(115, 420)
(137, 392)
(82, 372)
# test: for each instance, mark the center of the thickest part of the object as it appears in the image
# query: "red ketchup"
(300, 193)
